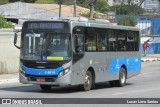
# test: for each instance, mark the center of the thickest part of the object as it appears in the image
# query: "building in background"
(19, 11)
(151, 6)
(118, 2)
(149, 25)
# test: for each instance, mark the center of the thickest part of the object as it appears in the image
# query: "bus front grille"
(47, 79)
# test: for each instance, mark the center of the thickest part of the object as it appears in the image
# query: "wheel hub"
(123, 78)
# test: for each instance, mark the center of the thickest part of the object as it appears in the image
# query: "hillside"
(44, 1)
(51, 6)
(66, 10)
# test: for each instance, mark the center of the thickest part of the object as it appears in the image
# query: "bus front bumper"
(60, 82)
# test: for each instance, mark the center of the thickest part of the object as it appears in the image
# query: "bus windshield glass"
(46, 46)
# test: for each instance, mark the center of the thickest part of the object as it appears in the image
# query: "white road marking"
(123, 93)
(136, 91)
(147, 73)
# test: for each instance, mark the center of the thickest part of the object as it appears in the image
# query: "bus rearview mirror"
(15, 40)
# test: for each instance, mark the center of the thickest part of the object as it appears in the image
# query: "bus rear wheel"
(45, 87)
(88, 82)
(122, 79)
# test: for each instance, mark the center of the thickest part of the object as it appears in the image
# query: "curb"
(13, 80)
(150, 59)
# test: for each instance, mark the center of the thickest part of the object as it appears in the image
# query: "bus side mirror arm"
(15, 40)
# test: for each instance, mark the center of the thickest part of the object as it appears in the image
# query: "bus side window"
(90, 39)
(102, 40)
(79, 43)
(132, 41)
(136, 41)
(112, 41)
(78, 37)
(121, 43)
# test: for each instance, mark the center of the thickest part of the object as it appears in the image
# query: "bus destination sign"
(45, 25)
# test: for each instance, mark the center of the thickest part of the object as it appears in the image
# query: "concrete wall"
(9, 55)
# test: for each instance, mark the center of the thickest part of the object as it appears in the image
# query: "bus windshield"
(46, 46)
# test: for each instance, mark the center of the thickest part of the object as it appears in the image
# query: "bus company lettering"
(140, 101)
(49, 72)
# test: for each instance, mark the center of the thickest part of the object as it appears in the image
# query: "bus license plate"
(40, 79)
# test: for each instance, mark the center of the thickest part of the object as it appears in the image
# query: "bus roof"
(92, 22)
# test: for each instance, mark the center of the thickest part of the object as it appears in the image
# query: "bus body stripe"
(132, 64)
(42, 72)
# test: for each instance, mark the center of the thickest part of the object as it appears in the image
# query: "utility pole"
(60, 4)
(74, 12)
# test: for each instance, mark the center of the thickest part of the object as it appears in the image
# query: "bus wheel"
(122, 78)
(45, 87)
(112, 83)
(88, 81)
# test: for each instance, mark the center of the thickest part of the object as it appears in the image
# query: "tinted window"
(132, 41)
(90, 40)
(121, 40)
(112, 40)
(101, 39)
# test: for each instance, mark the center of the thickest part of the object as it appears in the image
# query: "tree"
(92, 4)
(101, 6)
(3, 2)
(126, 21)
(4, 23)
(126, 9)
(141, 2)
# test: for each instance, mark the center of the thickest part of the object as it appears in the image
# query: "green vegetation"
(87, 15)
(126, 9)
(4, 2)
(126, 21)
(4, 23)
(100, 5)
(45, 1)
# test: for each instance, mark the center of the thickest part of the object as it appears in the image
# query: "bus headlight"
(65, 71)
(21, 70)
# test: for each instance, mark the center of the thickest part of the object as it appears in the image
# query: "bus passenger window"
(136, 41)
(112, 41)
(79, 43)
(121, 43)
(102, 40)
(78, 35)
(132, 41)
(90, 40)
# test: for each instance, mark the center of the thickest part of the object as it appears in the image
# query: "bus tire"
(88, 81)
(122, 78)
(45, 87)
(112, 83)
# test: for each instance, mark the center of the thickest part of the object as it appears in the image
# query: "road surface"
(145, 85)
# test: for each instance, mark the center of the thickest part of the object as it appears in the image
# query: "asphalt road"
(145, 85)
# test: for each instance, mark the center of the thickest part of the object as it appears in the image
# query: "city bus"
(77, 51)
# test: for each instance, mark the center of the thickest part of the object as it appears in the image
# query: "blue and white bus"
(77, 51)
